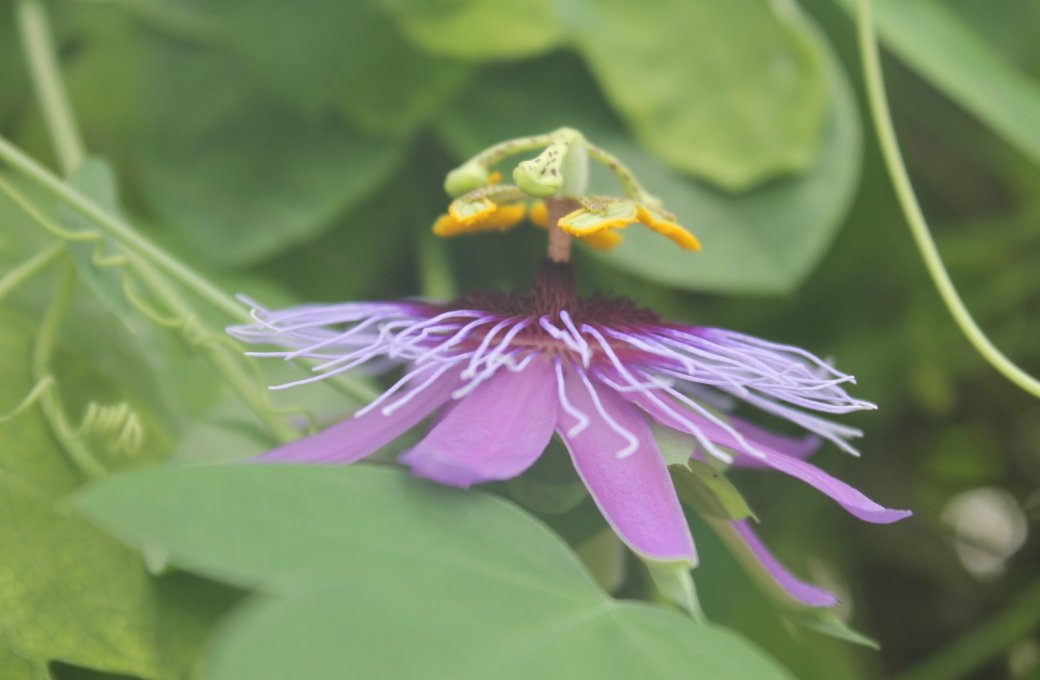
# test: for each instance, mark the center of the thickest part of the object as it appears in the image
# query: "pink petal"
(495, 432)
(634, 493)
(792, 585)
(849, 498)
(359, 436)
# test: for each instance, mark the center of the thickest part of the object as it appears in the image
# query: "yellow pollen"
(497, 218)
(669, 229)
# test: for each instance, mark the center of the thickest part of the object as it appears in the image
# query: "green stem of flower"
(26, 270)
(912, 210)
(965, 655)
(50, 404)
(42, 59)
(122, 231)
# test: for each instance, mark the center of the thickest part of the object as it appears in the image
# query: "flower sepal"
(709, 492)
(826, 622)
(674, 582)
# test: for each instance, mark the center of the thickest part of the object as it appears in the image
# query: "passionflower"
(498, 374)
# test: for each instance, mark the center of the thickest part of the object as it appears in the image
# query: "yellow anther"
(539, 215)
(669, 228)
(603, 240)
(583, 222)
(600, 240)
(498, 218)
(468, 212)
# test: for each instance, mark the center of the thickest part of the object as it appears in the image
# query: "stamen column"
(559, 241)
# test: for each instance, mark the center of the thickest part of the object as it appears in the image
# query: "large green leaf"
(348, 550)
(763, 241)
(345, 523)
(734, 91)
(479, 29)
(949, 52)
(473, 632)
(240, 176)
(70, 592)
(320, 53)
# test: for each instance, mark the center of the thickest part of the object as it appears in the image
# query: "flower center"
(554, 292)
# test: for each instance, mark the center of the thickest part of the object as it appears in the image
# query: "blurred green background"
(296, 151)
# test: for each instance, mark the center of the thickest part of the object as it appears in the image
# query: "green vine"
(915, 219)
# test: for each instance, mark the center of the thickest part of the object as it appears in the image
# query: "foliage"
(296, 151)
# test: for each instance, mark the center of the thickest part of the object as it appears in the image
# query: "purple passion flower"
(499, 373)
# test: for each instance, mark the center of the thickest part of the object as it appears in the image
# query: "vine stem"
(40, 54)
(25, 271)
(229, 369)
(68, 143)
(122, 231)
(882, 118)
(43, 350)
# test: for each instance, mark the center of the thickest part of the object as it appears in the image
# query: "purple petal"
(634, 493)
(849, 498)
(792, 585)
(495, 432)
(361, 435)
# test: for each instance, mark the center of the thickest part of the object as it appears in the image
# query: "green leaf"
(549, 498)
(474, 634)
(240, 176)
(763, 241)
(14, 666)
(363, 544)
(550, 487)
(709, 491)
(317, 54)
(949, 53)
(735, 92)
(396, 523)
(70, 592)
(401, 89)
(482, 29)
